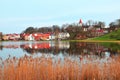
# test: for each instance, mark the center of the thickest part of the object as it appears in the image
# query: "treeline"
(42, 29)
(64, 28)
(115, 23)
(73, 29)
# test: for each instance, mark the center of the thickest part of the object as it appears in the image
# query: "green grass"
(115, 35)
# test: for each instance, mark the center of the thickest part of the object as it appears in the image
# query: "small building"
(63, 35)
(31, 37)
(81, 36)
(5, 37)
(26, 37)
(14, 36)
(106, 30)
(85, 28)
(113, 28)
(52, 37)
(11, 37)
(37, 36)
(45, 36)
(97, 31)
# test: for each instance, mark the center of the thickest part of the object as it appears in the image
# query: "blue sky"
(17, 15)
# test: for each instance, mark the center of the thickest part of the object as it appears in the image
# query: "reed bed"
(42, 68)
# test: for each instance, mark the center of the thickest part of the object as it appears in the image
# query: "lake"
(59, 49)
(59, 60)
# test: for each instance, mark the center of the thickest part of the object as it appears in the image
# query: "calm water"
(59, 49)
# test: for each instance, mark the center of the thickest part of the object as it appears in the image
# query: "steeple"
(80, 22)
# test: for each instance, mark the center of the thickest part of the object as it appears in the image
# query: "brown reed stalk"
(42, 68)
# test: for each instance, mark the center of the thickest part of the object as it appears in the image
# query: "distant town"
(74, 31)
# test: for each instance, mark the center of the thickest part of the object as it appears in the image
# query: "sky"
(17, 15)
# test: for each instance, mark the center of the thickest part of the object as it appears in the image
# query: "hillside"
(115, 35)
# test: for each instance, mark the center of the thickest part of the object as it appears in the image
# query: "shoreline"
(115, 41)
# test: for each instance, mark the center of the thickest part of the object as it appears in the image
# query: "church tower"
(80, 23)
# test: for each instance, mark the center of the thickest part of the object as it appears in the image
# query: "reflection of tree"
(76, 48)
(52, 50)
(32, 51)
(1, 47)
(113, 48)
(81, 48)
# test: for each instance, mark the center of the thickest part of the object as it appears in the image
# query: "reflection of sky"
(56, 50)
(107, 54)
(12, 52)
(17, 52)
(9, 48)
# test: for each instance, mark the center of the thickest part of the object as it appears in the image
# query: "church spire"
(80, 22)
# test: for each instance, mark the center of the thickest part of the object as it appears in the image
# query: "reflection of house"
(64, 45)
(11, 46)
(36, 46)
(46, 47)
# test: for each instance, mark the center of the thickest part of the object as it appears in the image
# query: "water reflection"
(45, 47)
(62, 48)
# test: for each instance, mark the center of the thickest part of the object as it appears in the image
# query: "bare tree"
(118, 22)
(90, 22)
(101, 24)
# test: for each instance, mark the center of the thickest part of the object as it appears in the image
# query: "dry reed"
(42, 68)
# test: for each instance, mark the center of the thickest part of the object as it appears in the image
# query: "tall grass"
(42, 68)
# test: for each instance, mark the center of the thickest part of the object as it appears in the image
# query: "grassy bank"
(91, 40)
(28, 68)
(113, 36)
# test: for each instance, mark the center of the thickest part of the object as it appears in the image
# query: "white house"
(52, 37)
(63, 35)
(31, 38)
